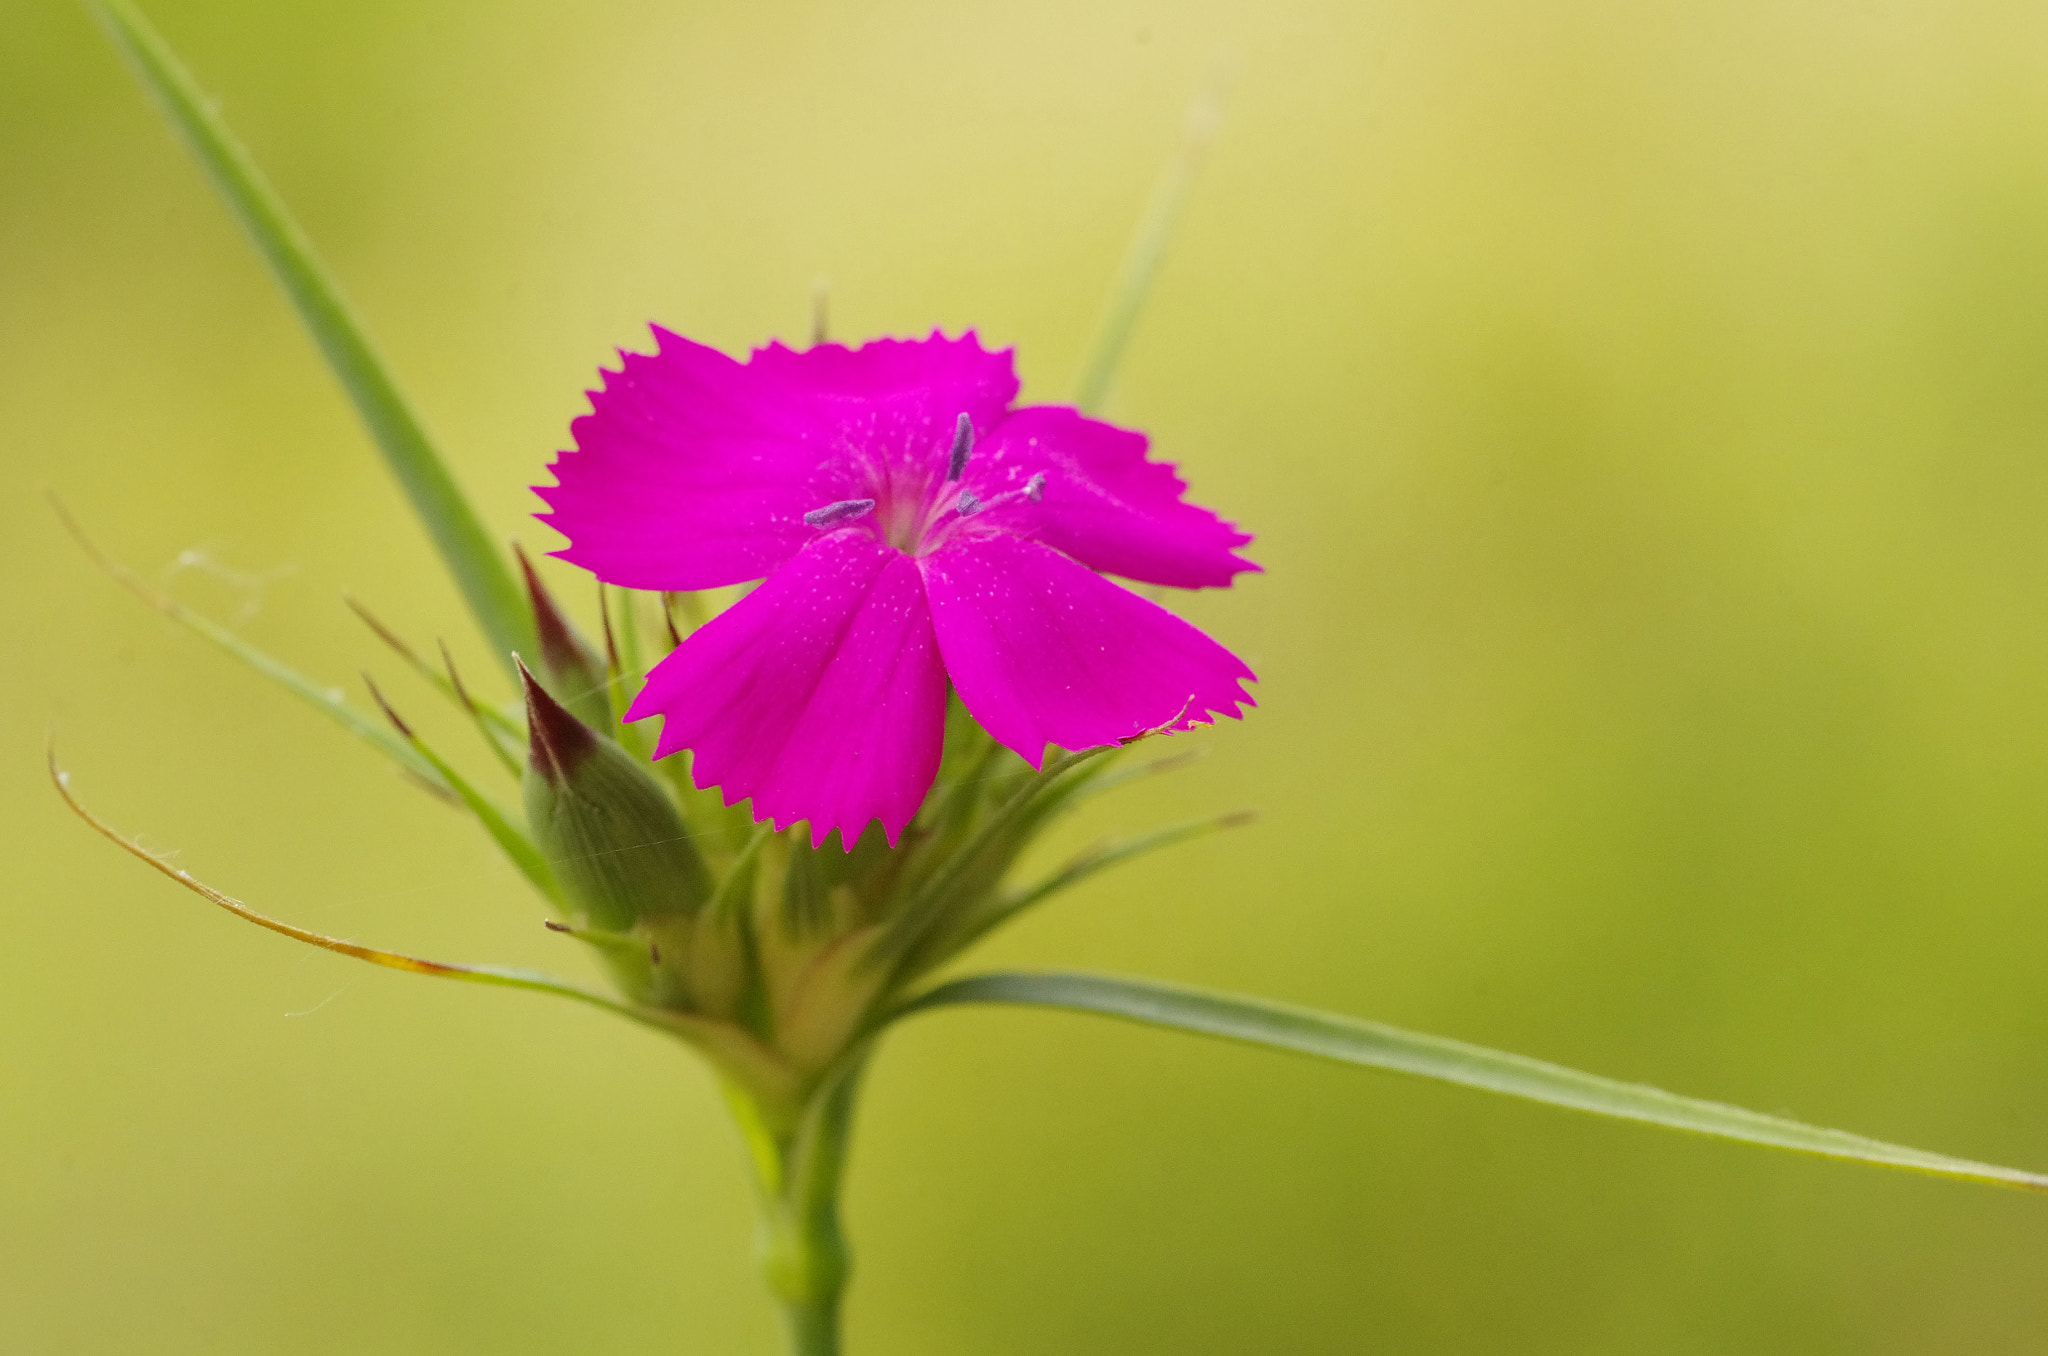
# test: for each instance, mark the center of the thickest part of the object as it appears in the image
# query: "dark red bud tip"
(557, 742)
(404, 730)
(562, 651)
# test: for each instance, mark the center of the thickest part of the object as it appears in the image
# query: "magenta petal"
(689, 472)
(1044, 651)
(819, 695)
(958, 373)
(694, 471)
(1104, 502)
(894, 403)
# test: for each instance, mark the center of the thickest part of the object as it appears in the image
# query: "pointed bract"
(612, 836)
(557, 742)
(574, 671)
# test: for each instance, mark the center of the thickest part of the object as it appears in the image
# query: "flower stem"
(803, 1251)
(813, 1328)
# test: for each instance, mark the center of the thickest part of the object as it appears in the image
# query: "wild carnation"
(911, 527)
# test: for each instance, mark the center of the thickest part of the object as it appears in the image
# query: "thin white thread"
(322, 1003)
(250, 585)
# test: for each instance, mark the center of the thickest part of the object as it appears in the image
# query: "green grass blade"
(493, 596)
(327, 700)
(1350, 1041)
(1147, 249)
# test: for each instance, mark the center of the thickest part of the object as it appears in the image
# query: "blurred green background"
(1642, 409)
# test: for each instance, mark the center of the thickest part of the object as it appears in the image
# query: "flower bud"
(619, 849)
(572, 668)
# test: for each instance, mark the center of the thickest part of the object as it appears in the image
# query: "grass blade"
(1147, 249)
(1351, 1041)
(486, 584)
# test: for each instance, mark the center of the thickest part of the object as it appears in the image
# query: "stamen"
(963, 443)
(969, 505)
(846, 510)
(1034, 488)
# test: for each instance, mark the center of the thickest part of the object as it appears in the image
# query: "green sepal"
(724, 831)
(996, 910)
(966, 874)
(608, 830)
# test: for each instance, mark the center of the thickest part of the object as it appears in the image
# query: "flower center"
(915, 515)
(905, 517)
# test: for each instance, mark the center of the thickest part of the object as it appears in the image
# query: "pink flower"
(910, 526)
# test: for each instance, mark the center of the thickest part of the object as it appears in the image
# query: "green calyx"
(619, 850)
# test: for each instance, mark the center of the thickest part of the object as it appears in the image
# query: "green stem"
(803, 1250)
(813, 1329)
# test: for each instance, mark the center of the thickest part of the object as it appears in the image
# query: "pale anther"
(1034, 488)
(963, 443)
(968, 505)
(844, 511)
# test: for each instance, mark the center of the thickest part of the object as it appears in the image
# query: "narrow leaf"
(925, 911)
(475, 974)
(1082, 867)
(733, 1050)
(448, 684)
(1351, 1041)
(1147, 249)
(621, 945)
(465, 547)
(497, 823)
(499, 731)
(327, 700)
(1124, 776)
